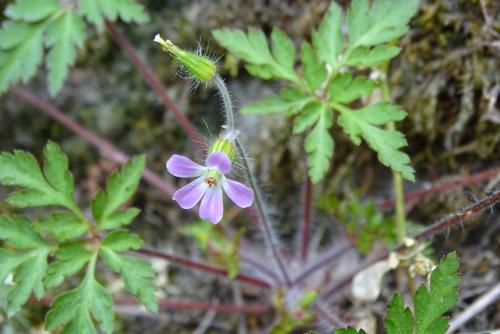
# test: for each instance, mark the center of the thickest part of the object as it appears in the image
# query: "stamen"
(211, 181)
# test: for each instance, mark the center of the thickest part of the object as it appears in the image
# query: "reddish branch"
(442, 225)
(107, 149)
(178, 304)
(320, 262)
(202, 267)
(456, 182)
(306, 220)
(155, 84)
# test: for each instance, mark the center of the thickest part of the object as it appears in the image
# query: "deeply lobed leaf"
(319, 145)
(136, 273)
(120, 187)
(328, 40)
(28, 263)
(290, 100)
(21, 52)
(253, 48)
(386, 143)
(63, 36)
(31, 10)
(52, 187)
(70, 258)
(429, 303)
(73, 309)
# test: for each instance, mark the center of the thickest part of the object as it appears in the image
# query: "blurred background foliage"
(447, 78)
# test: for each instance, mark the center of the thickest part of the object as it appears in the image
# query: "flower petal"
(239, 193)
(191, 193)
(181, 166)
(212, 207)
(220, 161)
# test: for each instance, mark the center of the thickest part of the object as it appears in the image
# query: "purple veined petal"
(220, 161)
(191, 193)
(181, 166)
(239, 193)
(212, 207)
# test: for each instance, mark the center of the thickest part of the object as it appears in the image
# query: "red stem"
(440, 226)
(456, 182)
(323, 260)
(107, 149)
(202, 267)
(326, 315)
(155, 84)
(306, 220)
(178, 304)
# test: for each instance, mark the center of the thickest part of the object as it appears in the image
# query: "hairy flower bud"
(225, 146)
(200, 67)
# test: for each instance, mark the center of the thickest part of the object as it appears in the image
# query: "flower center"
(211, 181)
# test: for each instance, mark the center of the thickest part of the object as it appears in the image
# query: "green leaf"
(31, 10)
(136, 273)
(62, 226)
(399, 319)
(64, 36)
(53, 187)
(21, 52)
(345, 90)
(430, 304)
(120, 218)
(74, 308)
(283, 51)
(92, 12)
(369, 57)
(308, 117)
(27, 265)
(17, 230)
(328, 40)
(121, 241)
(319, 145)
(70, 258)
(203, 233)
(386, 143)
(128, 10)
(253, 48)
(383, 22)
(56, 169)
(119, 189)
(290, 100)
(314, 71)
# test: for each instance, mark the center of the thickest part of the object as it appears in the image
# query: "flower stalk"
(269, 235)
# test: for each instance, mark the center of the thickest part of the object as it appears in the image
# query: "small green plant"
(323, 91)
(429, 304)
(58, 27)
(40, 253)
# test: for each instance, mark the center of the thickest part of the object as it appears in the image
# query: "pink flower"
(208, 185)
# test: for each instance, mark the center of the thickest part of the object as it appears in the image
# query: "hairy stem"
(450, 221)
(439, 187)
(271, 240)
(269, 235)
(226, 100)
(400, 215)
